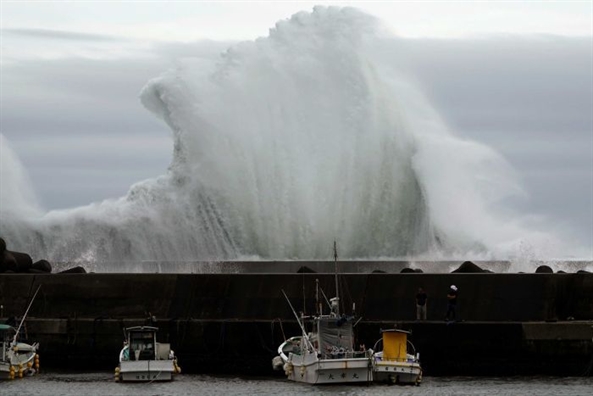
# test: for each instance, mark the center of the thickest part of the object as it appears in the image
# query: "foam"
(289, 142)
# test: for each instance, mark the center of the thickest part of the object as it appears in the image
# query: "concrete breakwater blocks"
(507, 323)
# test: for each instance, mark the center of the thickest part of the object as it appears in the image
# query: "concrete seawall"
(510, 323)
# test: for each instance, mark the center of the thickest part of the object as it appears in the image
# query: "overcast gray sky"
(515, 76)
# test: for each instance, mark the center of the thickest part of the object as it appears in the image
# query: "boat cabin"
(335, 337)
(6, 336)
(395, 345)
(142, 342)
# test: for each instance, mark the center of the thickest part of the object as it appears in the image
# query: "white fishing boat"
(395, 360)
(144, 359)
(326, 354)
(17, 359)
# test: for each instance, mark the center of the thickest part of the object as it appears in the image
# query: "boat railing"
(411, 348)
(295, 349)
(345, 355)
(407, 359)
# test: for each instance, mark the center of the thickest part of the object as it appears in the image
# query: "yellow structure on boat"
(393, 362)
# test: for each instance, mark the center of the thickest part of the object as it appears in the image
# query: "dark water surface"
(68, 384)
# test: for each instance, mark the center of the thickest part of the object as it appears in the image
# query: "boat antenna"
(325, 297)
(298, 320)
(25, 316)
(336, 277)
(304, 298)
(318, 306)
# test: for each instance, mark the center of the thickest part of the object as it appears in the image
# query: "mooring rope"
(281, 328)
(589, 368)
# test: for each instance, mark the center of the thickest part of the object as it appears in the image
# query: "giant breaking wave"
(285, 144)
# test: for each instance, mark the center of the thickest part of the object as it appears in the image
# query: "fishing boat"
(144, 359)
(17, 359)
(395, 360)
(326, 354)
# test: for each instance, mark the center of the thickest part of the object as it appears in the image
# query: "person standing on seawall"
(451, 303)
(421, 299)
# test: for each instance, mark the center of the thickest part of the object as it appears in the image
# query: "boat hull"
(397, 372)
(328, 371)
(146, 370)
(5, 371)
(22, 359)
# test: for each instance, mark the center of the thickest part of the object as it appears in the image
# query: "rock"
(411, 270)
(583, 272)
(544, 269)
(468, 268)
(36, 271)
(42, 265)
(18, 262)
(24, 262)
(74, 270)
(7, 262)
(14, 261)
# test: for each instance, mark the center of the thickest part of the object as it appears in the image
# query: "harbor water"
(54, 383)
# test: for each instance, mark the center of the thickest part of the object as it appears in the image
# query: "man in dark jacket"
(451, 303)
(421, 299)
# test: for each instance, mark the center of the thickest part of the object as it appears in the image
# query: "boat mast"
(317, 303)
(336, 277)
(16, 334)
(301, 325)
